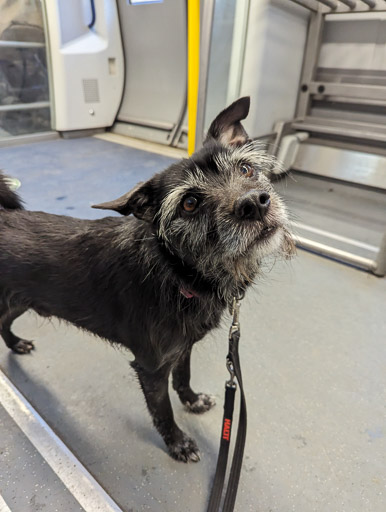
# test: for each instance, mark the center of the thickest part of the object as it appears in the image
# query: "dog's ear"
(226, 128)
(139, 202)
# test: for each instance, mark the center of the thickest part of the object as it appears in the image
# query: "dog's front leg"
(194, 402)
(155, 388)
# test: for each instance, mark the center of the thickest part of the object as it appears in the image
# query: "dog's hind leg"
(155, 389)
(194, 402)
(13, 342)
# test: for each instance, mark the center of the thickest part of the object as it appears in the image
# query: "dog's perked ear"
(139, 202)
(227, 128)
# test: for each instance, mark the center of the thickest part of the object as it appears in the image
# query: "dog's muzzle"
(252, 206)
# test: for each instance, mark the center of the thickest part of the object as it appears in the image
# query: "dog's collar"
(188, 294)
(194, 283)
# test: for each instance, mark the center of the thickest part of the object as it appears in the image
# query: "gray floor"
(68, 176)
(314, 362)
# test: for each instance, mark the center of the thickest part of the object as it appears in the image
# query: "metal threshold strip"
(81, 484)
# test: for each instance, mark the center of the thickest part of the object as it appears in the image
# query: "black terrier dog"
(156, 282)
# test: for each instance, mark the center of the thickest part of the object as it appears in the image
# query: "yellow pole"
(193, 69)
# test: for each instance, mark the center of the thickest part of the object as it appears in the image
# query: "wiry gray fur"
(158, 281)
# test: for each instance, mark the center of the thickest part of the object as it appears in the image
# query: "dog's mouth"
(263, 236)
(266, 233)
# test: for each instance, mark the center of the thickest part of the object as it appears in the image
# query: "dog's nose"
(253, 205)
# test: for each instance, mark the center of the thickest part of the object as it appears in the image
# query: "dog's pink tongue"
(187, 293)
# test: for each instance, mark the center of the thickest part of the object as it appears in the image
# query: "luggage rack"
(339, 127)
(326, 6)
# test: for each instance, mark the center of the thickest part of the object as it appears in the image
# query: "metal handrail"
(335, 5)
(307, 4)
(20, 44)
(349, 3)
(329, 3)
(24, 106)
(333, 252)
(377, 266)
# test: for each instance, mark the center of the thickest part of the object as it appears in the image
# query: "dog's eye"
(246, 170)
(190, 203)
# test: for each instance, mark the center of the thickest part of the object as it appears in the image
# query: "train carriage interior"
(98, 95)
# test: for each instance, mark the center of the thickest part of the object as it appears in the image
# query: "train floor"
(314, 364)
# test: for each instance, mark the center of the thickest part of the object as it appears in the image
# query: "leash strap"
(218, 482)
(233, 365)
(238, 455)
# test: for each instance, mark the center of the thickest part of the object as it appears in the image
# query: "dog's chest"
(199, 319)
(178, 331)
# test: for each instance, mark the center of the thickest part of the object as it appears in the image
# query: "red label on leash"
(226, 432)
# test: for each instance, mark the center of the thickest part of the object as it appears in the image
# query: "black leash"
(233, 366)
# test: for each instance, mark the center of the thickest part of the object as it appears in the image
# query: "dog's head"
(217, 210)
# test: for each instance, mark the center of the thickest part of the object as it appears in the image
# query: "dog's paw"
(202, 404)
(185, 450)
(23, 347)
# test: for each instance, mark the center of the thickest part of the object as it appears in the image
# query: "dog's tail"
(8, 198)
